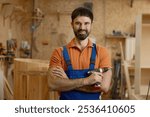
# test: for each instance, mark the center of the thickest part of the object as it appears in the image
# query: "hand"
(59, 72)
(95, 78)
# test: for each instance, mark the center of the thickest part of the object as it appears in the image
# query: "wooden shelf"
(145, 67)
(146, 25)
(114, 37)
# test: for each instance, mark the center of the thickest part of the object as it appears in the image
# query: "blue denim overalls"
(72, 74)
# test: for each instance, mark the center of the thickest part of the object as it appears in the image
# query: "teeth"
(82, 32)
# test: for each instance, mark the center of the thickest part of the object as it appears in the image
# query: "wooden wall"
(14, 22)
(55, 29)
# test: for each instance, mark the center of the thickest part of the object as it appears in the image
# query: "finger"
(56, 72)
(60, 68)
(60, 73)
(57, 75)
(98, 73)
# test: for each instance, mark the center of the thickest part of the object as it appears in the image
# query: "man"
(70, 66)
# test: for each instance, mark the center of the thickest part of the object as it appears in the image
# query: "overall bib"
(73, 74)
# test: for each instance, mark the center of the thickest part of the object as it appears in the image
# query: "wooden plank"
(1, 84)
(137, 54)
(126, 67)
(142, 56)
(30, 80)
(6, 91)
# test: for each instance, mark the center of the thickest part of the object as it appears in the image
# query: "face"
(82, 27)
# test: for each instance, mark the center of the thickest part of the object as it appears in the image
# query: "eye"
(77, 23)
(87, 23)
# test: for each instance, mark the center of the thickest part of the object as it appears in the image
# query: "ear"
(71, 24)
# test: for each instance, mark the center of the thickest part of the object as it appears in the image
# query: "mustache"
(82, 30)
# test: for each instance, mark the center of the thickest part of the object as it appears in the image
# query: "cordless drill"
(101, 70)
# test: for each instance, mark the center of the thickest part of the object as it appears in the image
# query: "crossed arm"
(58, 80)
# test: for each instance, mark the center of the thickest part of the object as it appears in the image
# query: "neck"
(81, 44)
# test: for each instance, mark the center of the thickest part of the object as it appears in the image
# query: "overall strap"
(67, 58)
(93, 57)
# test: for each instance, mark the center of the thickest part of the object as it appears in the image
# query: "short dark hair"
(82, 11)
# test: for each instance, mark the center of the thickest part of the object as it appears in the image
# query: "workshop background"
(32, 29)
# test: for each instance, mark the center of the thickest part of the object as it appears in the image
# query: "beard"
(81, 36)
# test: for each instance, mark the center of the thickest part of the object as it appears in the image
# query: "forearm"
(64, 84)
(105, 84)
(59, 81)
(104, 87)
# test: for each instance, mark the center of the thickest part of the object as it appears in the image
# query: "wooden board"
(142, 56)
(30, 80)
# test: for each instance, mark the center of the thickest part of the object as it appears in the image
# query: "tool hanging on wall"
(38, 16)
(131, 3)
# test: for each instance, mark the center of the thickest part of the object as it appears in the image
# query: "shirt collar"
(73, 44)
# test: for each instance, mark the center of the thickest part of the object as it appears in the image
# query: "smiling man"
(75, 69)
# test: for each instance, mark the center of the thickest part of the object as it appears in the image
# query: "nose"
(82, 26)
